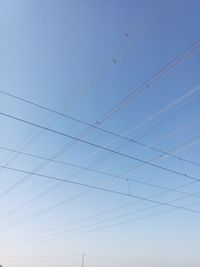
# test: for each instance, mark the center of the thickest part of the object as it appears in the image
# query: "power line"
(185, 108)
(181, 57)
(47, 190)
(115, 224)
(67, 200)
(92, 186)
(96, 145)
(60, 151)
(112, 218)
(104, 221)
(97, 171)
(85, 192)
(62, 202)
(74, 197)
(123, 222)
(163, 71)
(186, 145)
(3, 216)
(169, 118)
(25, 177)
(104, 212)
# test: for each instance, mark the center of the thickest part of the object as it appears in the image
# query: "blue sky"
(60, 54)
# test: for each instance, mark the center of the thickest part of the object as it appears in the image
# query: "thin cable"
(85, 185)
(169, 118)
(67, 200)
(186, 53)
(78, 95)
(95, 170)
(194, 90)
(30, 241)
(96, 145)
(180, 58)
(105, 190)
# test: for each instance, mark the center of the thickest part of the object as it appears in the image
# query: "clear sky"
(82, 58)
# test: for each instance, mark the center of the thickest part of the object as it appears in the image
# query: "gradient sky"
(82, 58)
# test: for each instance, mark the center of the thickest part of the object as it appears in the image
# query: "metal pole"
(83, 259)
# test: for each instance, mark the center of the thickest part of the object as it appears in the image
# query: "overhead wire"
(118, 223)
(19, 183)
(154, 195)
(34, 198)
(74, 197)
(90, 169)
(98, 188)
(176, 150)
(55, 205)
(184, 127)
(60, 151)
(146, 85)
(121, 177)
(134, 140)
(94, 144)
(111, 210)
(171, 117)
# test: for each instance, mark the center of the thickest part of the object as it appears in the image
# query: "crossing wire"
(97, 187)
(116, 134)
(27, 204)
(61, 203)
(62, 150)
(163, 71)
(97, 171)
(98, 146)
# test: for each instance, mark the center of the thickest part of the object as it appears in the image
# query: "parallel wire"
(146, 85)
(56, 205)
(99, 146)
(171, 117)
(177, 131)
(185, 54)
(179, 112)
(101, 213)
(85, 192)
(91, 169)
(62, 150)
(182, 147)
(63, 202)
(99, 188)
(172, 206)
(121, 177)
(123, 206)
(108, 211)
